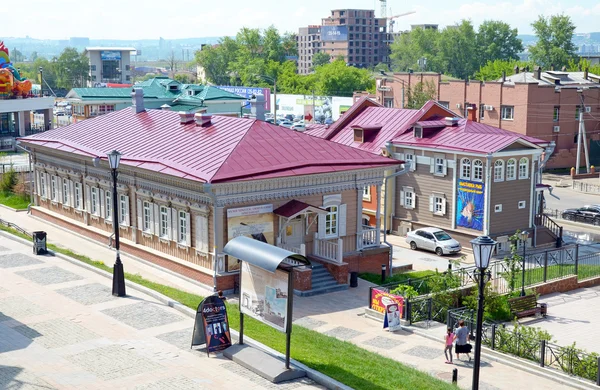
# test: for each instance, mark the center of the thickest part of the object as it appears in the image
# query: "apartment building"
(309, 43)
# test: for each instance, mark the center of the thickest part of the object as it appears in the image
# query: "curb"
(316, 376)
(14, 210)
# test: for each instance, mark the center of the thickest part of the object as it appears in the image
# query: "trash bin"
(39, 243)
(544, 307)
(353, 279)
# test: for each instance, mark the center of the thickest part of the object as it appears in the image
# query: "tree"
(290, 44)
(457, 50)
(71, 69)
(419, 95)
(340, 80)
(493, 70)
(409, 47)
(183, 78)
(320, 58)
(172, 63)
(554, 46)
(497, 41)
(34, 56)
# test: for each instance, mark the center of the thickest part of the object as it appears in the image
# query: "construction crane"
(392, 21)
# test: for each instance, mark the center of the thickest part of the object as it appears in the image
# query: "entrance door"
(293, 232)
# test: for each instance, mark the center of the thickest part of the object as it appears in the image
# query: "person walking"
(462, 334)
(449, 338)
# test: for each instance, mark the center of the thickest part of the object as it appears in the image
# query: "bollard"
(383, 268)
(598, 377)
(542, 353)
(455, 376)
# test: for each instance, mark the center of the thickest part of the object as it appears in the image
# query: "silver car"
(433, 239)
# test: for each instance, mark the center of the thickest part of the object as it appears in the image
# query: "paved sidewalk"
(60, 328)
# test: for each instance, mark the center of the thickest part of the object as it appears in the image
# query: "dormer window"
(190, 92)
(173, 87)
(418, 132)
(359, 135)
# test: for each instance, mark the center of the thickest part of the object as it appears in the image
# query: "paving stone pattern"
(383, 342)
(425, 352)
(19, 378)
(343, 333)
(17, 260)
(112, 362)
(56, 333)
(88, 294)
(175, 383)
(49, 275)
(18, 307)
(262, 382)
(143, 315)
(182, 339)
(309, 323)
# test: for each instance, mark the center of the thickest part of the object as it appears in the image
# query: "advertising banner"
(470, 204)
(247, 92)
(254, 222)
(110, 55)
(264, 295)
(212, 325)
(334, 33)
(392, 317)
(381, 299)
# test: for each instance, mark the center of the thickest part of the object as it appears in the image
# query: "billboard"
(470, 204)
(381, 299)
(252, 221)
(264, 295)
(110, 55)
(334, 33)
(247, 92)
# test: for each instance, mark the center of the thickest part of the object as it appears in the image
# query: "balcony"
(332, 250)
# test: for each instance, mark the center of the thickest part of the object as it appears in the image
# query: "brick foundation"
(224, 282)
(369, 260)
(564, 285)
(302, 279)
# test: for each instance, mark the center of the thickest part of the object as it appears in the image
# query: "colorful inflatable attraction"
(11, 82)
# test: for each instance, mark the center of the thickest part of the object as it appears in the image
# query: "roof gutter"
(548, 153)
(207, 187)
(406, 168)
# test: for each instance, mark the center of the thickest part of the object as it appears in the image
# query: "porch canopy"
(261, 254)
(294, 208)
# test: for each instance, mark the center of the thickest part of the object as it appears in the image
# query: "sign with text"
(247, 92)
(470, 204)
(252, 221)
(380, 299)
(334, 33)
(110, 55)
(212, 325)
(392, 317)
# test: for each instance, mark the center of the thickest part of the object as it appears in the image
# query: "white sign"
(250, 210)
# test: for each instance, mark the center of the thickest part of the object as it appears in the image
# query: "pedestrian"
(449, 338)
(462, 334)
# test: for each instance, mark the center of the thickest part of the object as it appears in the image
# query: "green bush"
(579, 362)
(522, 341)
(495, 306)
(406, 291)
(9, 180)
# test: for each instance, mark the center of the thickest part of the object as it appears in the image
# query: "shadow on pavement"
(9, 381)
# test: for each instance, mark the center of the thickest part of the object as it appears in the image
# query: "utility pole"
(581, 137)
(314, 114)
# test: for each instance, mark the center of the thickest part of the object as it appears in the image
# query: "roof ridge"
(234, 148)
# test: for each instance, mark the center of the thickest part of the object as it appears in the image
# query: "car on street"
(433, 239)
(287, 124)
(298, 127)
(587, 214)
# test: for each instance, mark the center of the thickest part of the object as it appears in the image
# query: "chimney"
(564, 68)
(257, 107)
(472, 113)
(538, 72)
(165, 107)
(552, 67)
(450, 121)
(585, 73)
(203, 119)
(503, 76)
(137, 98)
(186, 117)
(516, 69)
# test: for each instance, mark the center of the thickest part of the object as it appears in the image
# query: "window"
(108, 206)
(388, 102)
(418, 132)
(367, 193)
(498, 208)
(444, 104)
(511, 169)
(556, 114)
(409, 156)
(465, 169)
(147, 213)
(78, 196)
(164, 222)
(408, 197)
(437, 204)
(94, 201)
(508, 113)
(477, 170)
(481, 112)
(331, 221)
(577, 111)
(43, 185)
(183, 227)
(522, 204)
(65, 193)
(93, 68)
(524, 168)
(499, 170)
(124, 210)
(439, 165)
(53, 189)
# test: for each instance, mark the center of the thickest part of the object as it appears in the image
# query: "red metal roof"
(229, 149)
(294, 207)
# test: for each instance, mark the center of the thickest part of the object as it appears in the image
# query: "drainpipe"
(547, 154)
(209, 191)
(385, 204)
(488, 183)
(32, 181)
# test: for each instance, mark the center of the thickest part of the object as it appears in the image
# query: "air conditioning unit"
(458, 105)
(556, 129)
(588, 109)
(488, 108)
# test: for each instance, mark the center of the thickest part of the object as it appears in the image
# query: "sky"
(150, 19)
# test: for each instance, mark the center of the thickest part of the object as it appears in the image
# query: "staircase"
(548, 230)
(321, 282)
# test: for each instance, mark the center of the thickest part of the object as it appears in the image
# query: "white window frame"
(481, 111)
(65, 193)
(367, 193)
(465, 169)
(54, 188)
(164, 225)
(439, 202)
(498, 208)
(556, 114)
(511, 169)
(146, 216)
(440, 162)
(477, 170)
(499, 170)
(507, 113)
(108, 206)
(182, 232)
(522, 204)
(332, 221)
(43, 183)
(78, 198)
(123, 209)
(94, 201)
(409, 155)
(523, 168)
(408, 198)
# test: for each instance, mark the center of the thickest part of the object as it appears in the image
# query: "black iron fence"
(424, 309)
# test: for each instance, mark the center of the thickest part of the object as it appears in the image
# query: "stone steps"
(322, 282)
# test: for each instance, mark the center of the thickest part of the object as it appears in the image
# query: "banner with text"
(380, 299)
(470, 204)
(253, 221)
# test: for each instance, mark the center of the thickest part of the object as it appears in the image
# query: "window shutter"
(169, 224)
(103, 203)
(400, 156)
(431, 201)
(71, 194)
(174, 225)
(140, 215)
(155, 218)
(188, 230)
(402, 199)
(60, 189)
(342, 220)
(48, 194)
(445, 167)
(414, 206)
(88, 199)
(126, 218)
(432, 165)
(37, 183)
(443, 206)
(321, 226)
(202, 233)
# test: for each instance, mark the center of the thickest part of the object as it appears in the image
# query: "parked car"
(433, 239)
(328, 121)
(287, 124)
(289, 117)
(270, 120)
(298, 127)
(587, 214)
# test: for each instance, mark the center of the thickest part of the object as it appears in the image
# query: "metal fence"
(425, 309)
(586, 187)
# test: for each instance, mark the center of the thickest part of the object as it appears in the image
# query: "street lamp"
(274, 81)
(118, 289)
(396, 79)
(41, 82)
(524, 237)
(483, 247)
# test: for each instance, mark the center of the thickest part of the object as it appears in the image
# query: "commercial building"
(544, 105)
(356, 35)
(109, 65)
(188, 183)
(18, 118)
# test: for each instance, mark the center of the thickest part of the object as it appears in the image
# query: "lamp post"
(118, 288)
(41, 82)
(396, 79)
(482, 251)
(524, 237)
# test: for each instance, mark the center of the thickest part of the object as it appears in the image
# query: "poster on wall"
(470, 204)
(381, 299)
(264, 295)
(253, 221)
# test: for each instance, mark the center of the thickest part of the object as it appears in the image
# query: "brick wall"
(566, 284)
(369, 260)
(302, 279)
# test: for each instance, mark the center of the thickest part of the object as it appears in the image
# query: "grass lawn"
(535, 276)
(343, 361)
(397, 278)
(15, 201)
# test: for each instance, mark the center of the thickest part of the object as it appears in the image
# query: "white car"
(298, 127)
(433, 239)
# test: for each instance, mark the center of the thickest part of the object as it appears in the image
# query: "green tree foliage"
(492, 70)
(497, 41)
(583, 64)
(408, 48)
(420, 94)
(9, 180)
(71, 68)
(458, 51)
(555, 41)
(320, 58)
(338, 79)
